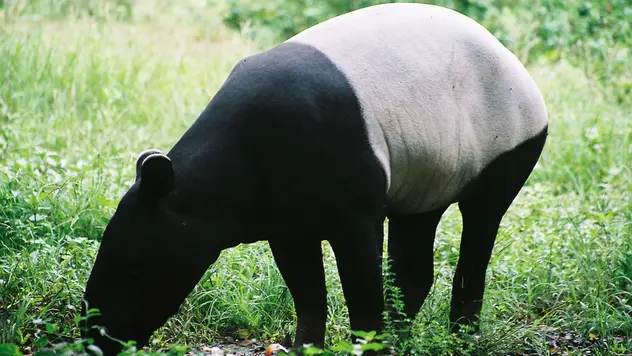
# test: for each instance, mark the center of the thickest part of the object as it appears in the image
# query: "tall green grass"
(79, 99)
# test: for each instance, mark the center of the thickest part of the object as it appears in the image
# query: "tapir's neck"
(213, 175)
(250, 156)
(215, 186)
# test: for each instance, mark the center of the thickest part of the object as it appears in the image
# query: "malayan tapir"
(394, 110)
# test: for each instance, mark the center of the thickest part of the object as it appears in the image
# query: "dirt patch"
(558, 342)
(232, 347)
(549, 340)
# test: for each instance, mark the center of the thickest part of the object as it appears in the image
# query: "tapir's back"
(440, 96)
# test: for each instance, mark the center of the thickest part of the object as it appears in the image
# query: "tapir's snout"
(107, 346)
(89, 331)
(110, 346)
(108, 343)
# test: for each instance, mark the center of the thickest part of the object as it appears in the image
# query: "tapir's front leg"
(358, 247)
(301, 265)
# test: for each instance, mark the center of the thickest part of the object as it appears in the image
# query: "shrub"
(589, 34)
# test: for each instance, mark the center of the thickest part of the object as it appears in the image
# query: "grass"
(80, 98)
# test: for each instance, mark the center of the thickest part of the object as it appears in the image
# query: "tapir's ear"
(156, 176)
(142, 157)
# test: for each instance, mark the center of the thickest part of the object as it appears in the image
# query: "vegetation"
(87, 85)
(592, 35)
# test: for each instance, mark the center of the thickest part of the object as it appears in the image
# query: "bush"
(589, 34)
(280, 19)
(592, 35)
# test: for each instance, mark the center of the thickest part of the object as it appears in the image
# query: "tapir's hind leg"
(484, 203)
(301, 266)
(410, 250)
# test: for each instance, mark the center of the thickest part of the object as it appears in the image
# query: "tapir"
(391, 112)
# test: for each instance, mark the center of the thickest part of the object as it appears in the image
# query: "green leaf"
(343, 346)
(9, 350)
(46, 353)
(41, 342)
(178, 349)
(365, 335)
(374, 346)
(52, 328)
(310, 350)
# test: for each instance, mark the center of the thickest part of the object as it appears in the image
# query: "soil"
(231, 347)
(557, 343)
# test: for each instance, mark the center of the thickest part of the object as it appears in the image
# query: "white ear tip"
(150, 151)
(154, 156)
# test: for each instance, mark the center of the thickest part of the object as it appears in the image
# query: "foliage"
(593, 35)
(281, 19)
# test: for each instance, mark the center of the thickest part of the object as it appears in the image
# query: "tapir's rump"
(441, 97)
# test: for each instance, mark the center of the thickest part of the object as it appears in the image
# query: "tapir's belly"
(440, 96)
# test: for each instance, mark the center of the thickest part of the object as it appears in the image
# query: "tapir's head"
(148, 262)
